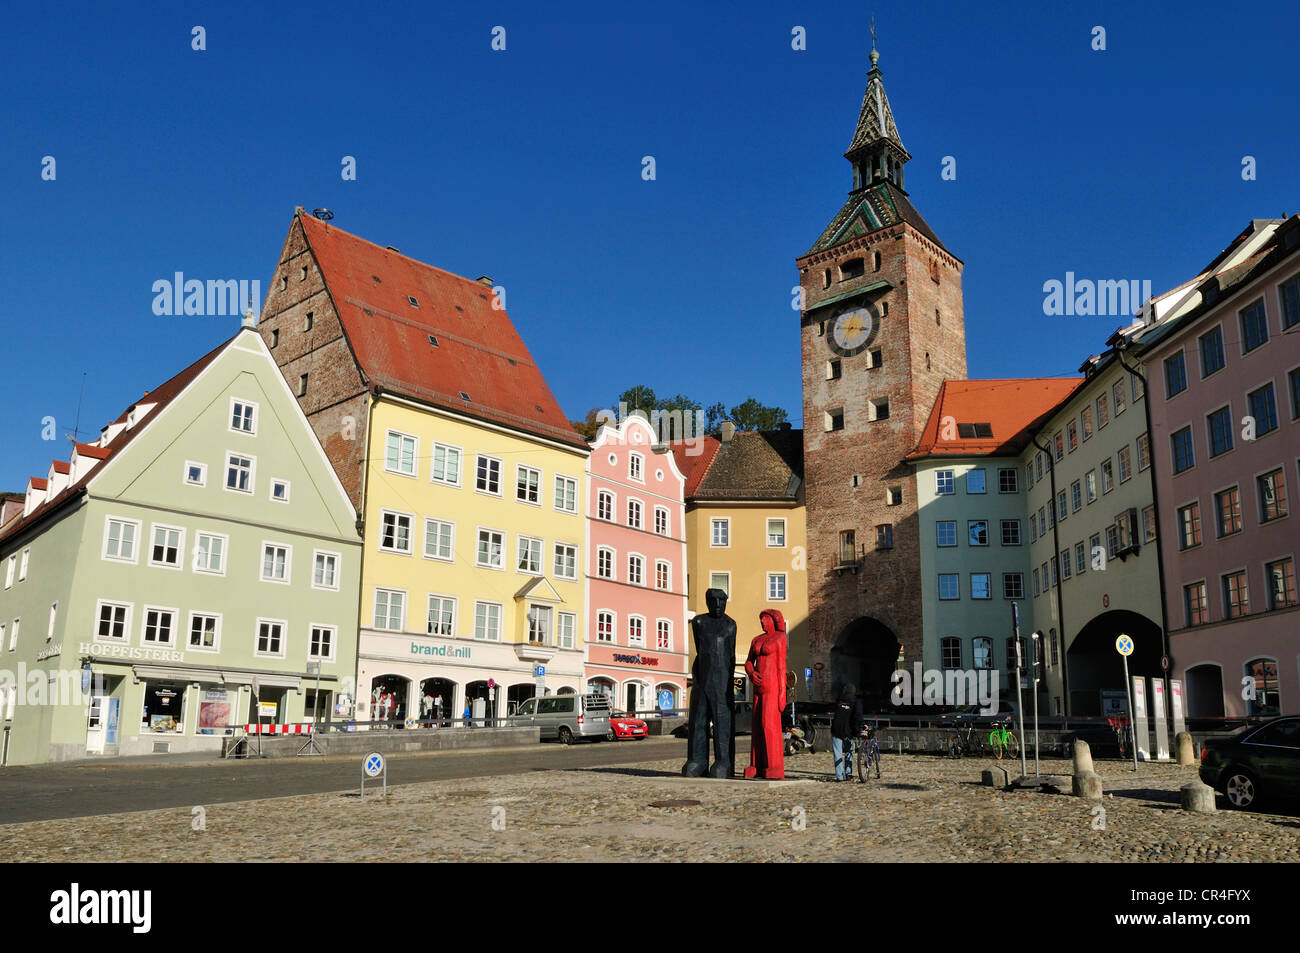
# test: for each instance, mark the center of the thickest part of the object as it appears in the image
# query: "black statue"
(711, 691)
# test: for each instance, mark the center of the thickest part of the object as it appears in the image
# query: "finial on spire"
(874, 55)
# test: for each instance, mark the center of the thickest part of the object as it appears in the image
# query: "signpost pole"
(1020, 708)
(1124, 646)
(1035, 690)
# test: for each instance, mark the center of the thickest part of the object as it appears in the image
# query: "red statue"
(766, 666)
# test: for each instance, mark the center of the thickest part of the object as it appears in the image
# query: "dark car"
(1256, 762)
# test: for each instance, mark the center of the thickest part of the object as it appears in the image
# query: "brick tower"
(881, 329)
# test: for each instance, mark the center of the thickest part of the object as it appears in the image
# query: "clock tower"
(881, 329)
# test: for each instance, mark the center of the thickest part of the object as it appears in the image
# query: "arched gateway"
(865, 654)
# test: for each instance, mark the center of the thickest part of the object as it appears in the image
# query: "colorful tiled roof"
(478, 353)
(869, 210)
(693, 459)
(1012, 409)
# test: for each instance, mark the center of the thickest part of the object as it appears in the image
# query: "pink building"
(1223, 376)
(637, 636)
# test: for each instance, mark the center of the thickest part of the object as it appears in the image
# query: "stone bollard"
(1186, 748)
(1082, 757)
(1087, 785)
(1197, 797)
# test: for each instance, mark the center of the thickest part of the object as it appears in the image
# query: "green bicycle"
(1003, 741)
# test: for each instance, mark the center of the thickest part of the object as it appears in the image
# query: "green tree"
(751, 415)
(587, 426)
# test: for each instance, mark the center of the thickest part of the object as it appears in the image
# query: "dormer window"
(410, 299)
(433, 340)
(464, 396)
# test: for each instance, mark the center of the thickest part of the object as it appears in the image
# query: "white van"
(566, 717)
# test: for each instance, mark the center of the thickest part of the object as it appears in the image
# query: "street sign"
(540, 671)
(492, 683)
(373, 766)
(1164, 663)
(410, 723)
(1124, 645)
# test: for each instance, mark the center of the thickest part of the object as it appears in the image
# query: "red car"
(623, 725)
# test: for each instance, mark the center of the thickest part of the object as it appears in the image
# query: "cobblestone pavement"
(923, 809)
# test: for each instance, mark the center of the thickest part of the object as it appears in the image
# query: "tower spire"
(876, 152)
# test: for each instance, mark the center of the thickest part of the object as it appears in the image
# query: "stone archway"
(865, 655)
(1204, 686)
(1095, 666)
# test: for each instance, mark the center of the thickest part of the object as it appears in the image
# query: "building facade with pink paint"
(638, 639)
(1224, 396)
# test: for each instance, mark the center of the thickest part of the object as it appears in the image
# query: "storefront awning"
(169, 673)
(266, 681)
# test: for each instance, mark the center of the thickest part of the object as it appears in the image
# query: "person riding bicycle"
(846, 725)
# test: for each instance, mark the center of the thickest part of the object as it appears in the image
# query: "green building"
(181, 575)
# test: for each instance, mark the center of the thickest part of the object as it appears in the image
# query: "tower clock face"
(853, 330)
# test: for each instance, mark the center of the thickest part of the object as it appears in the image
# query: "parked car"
(1006, 709)
(623, 725)
(1255, 762)
(566, 717)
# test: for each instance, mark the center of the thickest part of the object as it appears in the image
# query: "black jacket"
(847, 721)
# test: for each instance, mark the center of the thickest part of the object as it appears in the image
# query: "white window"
(605, 506)
(566, 494)
(529, 556)
(399, 453)
(943, 482)
(205, 632)
(528, 485)
(114, 621)
(13, 634)
(390, 609)
(566, 627)
(10, 564)
(566, 561)
(280, 491)
(663, 574)
(119, 542)
(635, 630)
(446, 465)
(634, 513)
(605, 562)
(54, 618)
(325, 570)
(720, 533)
(321, 642)
(539, 624)
(720, 580)
(239, 472)
(270, 638)
(196, 474)
(661, 520)
(159, 626)
(487, 478)
(168, 544)
(634, 467)
(275, 562)
(22, 565)
(776, 586)
(664, 635)
(243, 416)
(487, 621)
(491, 549)
(636, 570)
(604, 626)
(442, 615)
(439, 539)
(210, 553)
(395, 532)
(776, 533)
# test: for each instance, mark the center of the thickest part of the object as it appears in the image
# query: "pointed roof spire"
(875, 119)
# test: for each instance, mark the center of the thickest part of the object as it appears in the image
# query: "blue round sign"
(665, 699)
(373, 765)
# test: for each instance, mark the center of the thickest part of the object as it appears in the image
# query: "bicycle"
(1002, 740)
(1119, 725)
(868, 754)
(964, 741)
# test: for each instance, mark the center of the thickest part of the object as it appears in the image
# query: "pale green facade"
(218, 591)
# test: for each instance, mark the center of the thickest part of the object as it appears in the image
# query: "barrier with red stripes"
(278, 729)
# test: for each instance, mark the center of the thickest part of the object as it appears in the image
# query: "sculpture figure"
(766, 667)
(711, 691)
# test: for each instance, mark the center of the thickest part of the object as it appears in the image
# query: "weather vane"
(873, 34)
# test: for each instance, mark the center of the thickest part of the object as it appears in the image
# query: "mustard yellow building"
(466, 476)
(745, 535)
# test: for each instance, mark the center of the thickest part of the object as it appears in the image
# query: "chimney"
(485, 281)
(728, 431)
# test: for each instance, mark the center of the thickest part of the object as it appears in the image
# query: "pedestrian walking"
(846, 724)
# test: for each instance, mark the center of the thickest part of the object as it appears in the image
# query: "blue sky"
(526, 165)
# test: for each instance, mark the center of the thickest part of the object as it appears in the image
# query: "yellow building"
(745, 535)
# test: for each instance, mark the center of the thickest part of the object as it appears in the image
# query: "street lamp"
(1037, 635)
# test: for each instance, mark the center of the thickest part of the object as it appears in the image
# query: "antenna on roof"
(323, 214)
(76, 427)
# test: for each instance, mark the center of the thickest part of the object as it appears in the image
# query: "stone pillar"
(1197, 797)
(1087, 785)
(1082, 756)
(1185, 747)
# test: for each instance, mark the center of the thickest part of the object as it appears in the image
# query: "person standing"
(846, 724)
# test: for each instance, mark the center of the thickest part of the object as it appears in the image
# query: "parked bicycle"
(1003, 741)
(1119, 725)
(868, 753)
(964, 740)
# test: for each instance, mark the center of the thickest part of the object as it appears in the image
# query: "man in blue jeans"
(846, 725)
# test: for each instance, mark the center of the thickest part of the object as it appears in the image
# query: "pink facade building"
(1223, 375)
(637, 635)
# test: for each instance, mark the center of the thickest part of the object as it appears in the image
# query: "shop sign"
(101, 650)
(442, 651)
(49, 651)
(636, 659)
(266, 709)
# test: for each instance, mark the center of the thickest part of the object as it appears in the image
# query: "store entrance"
(437, 696)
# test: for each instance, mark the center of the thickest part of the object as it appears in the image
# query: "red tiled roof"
(61, 466)
(693, 459)
(1012, 408)
(479, 351)
(160, 396)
